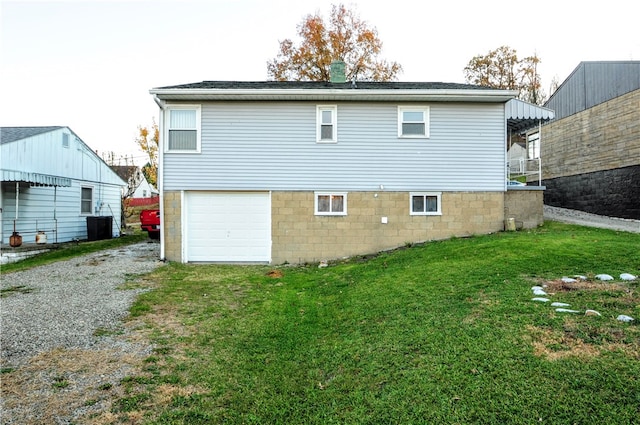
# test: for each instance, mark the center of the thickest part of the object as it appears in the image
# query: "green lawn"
(444, 333)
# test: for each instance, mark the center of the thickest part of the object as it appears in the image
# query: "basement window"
(330, 203)
(425, 203)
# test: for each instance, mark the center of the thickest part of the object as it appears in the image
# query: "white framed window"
(413, 122)
(183, 128)
(65, 140)
(326, 124)
(86, 200)
(425, 203)
(330, 203)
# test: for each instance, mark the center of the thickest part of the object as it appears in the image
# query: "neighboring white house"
(304, 171)
(145, 190)
(52, 182)
(138, 186)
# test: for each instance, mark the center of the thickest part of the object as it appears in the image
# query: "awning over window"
(35, 178)
(522, 115)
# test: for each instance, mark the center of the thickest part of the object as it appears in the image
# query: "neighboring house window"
(65, 140)
(183, 133)
(86, 200)
(413, 121)
(533, 144)
(331, 203)
(326, 131)
(425, 203)
(144, 193)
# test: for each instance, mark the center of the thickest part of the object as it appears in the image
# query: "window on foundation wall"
(425, 203)
(330, 203)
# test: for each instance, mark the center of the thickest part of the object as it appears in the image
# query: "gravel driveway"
(61, 305)
(592, 220)
(62, 335)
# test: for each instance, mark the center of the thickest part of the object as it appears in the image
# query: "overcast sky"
(89, 65)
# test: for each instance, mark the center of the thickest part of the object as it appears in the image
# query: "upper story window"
(65, 140)
(326, 131)
(425, 203)
(183, 128)
(331, 203)
(86, 200)
(413, 121)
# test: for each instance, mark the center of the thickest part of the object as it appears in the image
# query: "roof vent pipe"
(338, 72)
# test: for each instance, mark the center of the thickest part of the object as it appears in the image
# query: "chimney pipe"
(338, 72)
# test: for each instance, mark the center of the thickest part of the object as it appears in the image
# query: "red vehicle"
(150, 223)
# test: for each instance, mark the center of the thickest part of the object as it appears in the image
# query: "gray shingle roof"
(11, 134)
(362, 85)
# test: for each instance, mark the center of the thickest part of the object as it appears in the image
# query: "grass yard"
(444, 333)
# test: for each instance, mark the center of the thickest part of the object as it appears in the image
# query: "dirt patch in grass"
(68, 385)
(585, 337)
(558, 285)
(557, 345)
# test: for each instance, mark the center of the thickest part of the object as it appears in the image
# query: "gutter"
(444, 95)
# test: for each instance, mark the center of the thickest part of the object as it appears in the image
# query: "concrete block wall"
(591, 160)
(172, 221)
(525, 206)
(299, 236)
(604, 137)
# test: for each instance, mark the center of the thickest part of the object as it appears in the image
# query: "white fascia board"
(467, 95)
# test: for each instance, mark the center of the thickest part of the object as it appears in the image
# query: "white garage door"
(228, 227)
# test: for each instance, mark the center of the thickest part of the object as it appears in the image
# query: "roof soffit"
(388, 95)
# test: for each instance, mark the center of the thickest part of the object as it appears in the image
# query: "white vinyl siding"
(272, 146)
(327, 131)
(183, 130)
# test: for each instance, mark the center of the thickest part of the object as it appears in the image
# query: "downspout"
(55, 208)
(159, 175)
(17, 196)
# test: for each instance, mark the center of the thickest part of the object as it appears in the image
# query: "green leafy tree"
(343, 37)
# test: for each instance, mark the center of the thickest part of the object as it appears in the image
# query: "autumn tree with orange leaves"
(501, 69)
(343, 37)
(147, 141)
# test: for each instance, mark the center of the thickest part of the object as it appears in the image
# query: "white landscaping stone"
(625, 318)
(560, 305)
(604, 277)
(627, 276)
(581, 277)
(539, 292)
(533, 288)
(591, 313)
(568, 279)
(566, 310)
(542, 300)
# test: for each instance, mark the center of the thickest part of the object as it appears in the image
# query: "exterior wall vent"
(338, 72)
